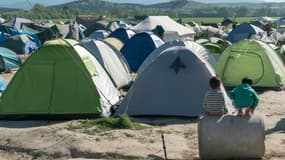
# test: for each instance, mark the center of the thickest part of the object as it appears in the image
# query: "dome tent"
(112, 61)
(243, 31)
(254, 59)
(122, 34)
(174, 84)
(193, 46)
(114, 42)
(61, 78)
(139, 47)
(215, 45)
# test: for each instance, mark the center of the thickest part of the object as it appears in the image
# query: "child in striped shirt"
(214, 102)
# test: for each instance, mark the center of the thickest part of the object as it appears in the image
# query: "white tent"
(2, 20)
(111, 60)
(168, 24)
(105, 87)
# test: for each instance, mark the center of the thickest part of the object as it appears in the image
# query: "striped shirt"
(214, 102)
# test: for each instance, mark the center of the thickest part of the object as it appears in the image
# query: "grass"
(95, 126)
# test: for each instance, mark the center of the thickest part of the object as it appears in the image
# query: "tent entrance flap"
(234, 70)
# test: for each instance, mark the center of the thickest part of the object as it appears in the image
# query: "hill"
(8, 9)
(101, 5)
(251, 5)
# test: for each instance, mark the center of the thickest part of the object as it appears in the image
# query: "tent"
(3, 36)
(87, 20)
(280, 50)
(112, 61)
(9, 59)
(2, 20)
(254, 59)
(98, 25)
(3, 84)
(112, 26)
(193, 46)
(16, 23)
(20, 44)
(60, 78)
(139, 47)
(168, 24)
(174, 84)
(243, 31)
(99, 34)
(123, 34)
(115, 42)
(215, 45)
(50, 33)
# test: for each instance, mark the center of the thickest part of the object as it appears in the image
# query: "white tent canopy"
(168, 24)
(112, 62)
(109, 95)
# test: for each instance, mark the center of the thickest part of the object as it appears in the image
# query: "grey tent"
(112, 61)
(98, 25)
(16, 23)
(174, 84)
(193, 46)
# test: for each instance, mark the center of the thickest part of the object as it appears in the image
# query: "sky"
(27, 3)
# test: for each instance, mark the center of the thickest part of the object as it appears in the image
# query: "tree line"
(41, 12)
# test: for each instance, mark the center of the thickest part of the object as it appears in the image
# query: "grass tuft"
(104, 124)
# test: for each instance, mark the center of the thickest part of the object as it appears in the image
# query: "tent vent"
(177, 65)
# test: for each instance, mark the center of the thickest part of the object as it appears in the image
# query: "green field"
(215, 19)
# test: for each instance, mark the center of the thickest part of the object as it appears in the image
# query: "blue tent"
(20, 44)
(3, 84)
(9, 59)
(99, 35)
(3, 36)
(243, 31)
(33, 37)
(136, 49)
(122, 34)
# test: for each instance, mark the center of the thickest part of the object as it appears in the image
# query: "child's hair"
(215, 82)
(246, 80)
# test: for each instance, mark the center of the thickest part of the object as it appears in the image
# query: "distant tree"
(223, 12)
(242, 12)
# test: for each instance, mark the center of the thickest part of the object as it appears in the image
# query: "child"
(244, 96)
(214, 102)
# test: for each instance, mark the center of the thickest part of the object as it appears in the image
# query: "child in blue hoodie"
(244, 96)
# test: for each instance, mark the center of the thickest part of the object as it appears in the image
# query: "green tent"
(254, 59)
(282, 53)
(215, 45)
(280, 50)
(59, 78)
